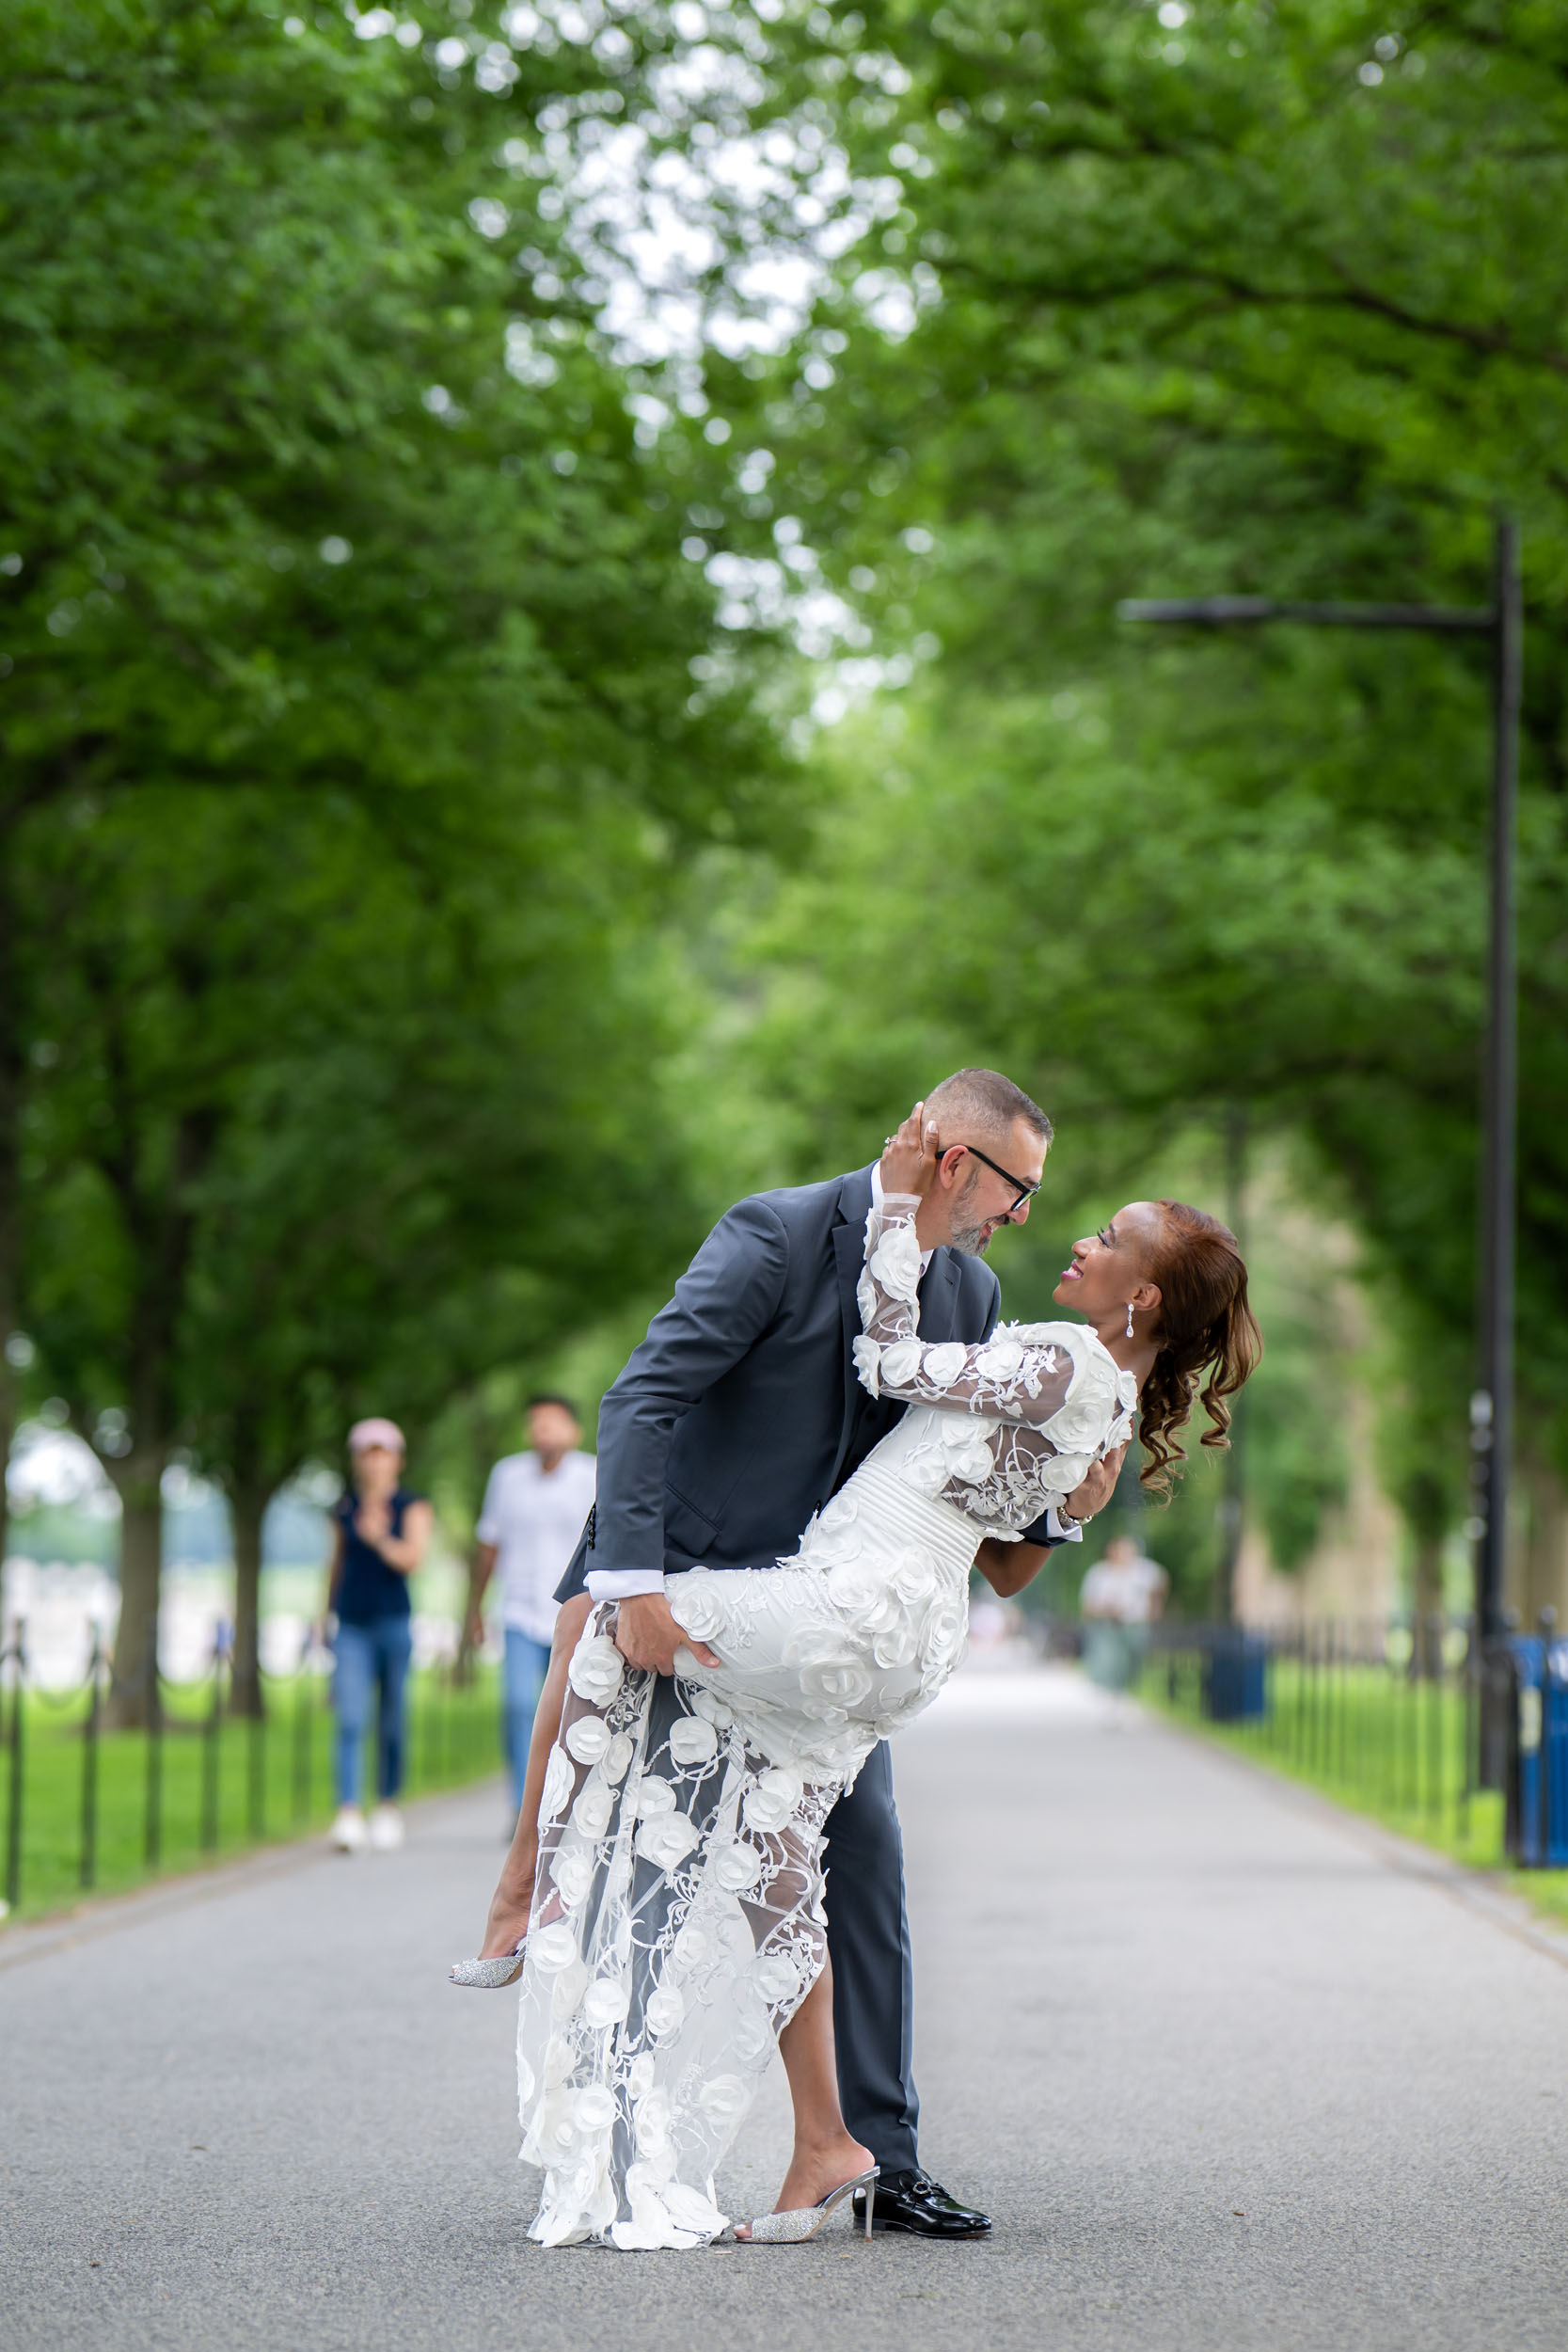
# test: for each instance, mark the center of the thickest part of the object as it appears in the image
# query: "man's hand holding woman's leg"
(648, 1636)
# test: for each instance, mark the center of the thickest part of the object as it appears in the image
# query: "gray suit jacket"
(740, 1413)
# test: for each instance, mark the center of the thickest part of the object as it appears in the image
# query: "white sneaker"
(348, 1833)
(386, 1831)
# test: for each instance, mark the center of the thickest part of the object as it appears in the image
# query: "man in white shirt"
(535, 1504)
(1126, 1586)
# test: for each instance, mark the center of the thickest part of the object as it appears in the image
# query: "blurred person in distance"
(382, 1534)
(535, 1507)
(1121, 1595)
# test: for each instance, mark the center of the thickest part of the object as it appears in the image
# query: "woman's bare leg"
(509, 1906)
(825, 2154)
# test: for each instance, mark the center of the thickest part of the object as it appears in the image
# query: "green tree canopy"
(1241, 300)
(349, 725)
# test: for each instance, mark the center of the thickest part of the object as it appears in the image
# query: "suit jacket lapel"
(939, 1297)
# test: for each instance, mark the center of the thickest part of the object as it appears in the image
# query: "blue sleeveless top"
(368, 1588)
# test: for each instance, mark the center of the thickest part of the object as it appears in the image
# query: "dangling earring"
(1130, 1318)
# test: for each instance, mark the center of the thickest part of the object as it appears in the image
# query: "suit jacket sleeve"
(724, 1300)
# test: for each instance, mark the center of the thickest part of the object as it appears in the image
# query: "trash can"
(1235, 1680)
(1535, 1820)
(1554, 1756)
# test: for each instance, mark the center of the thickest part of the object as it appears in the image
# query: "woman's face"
(376, 1468)
(1108, 1269)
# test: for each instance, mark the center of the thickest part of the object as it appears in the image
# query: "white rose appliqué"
(597, 1670)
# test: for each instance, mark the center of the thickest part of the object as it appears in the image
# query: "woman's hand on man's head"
(910, 1156)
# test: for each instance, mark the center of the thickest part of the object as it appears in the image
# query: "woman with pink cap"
(382, 1531)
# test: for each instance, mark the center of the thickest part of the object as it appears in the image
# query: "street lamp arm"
(1242, 612)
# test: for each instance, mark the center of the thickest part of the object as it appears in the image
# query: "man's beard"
(971, 1240)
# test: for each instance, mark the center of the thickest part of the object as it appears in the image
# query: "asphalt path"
(1227, 2071)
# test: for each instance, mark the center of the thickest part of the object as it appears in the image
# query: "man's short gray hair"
(986, 1101)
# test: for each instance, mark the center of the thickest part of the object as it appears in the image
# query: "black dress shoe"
(913, 2201)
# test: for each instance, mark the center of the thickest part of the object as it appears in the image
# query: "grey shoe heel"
(488, 1976)
(794, 2228)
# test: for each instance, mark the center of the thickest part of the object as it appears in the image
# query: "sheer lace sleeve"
(1004, 1375)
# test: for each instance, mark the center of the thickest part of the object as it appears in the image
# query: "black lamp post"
(1502, 622)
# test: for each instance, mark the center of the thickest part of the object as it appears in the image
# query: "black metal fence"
(1459, 1742)
(89, 1808)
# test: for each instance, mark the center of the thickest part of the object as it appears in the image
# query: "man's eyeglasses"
(1025, 1191)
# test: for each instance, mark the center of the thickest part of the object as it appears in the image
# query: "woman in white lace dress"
(677, 1921)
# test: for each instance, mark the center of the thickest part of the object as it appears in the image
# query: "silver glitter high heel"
(488, 1976)
(794, 2228)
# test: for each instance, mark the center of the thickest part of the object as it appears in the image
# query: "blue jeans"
(527, 1663)
(371, 1658)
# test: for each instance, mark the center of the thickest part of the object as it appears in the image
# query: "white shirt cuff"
(1065, 1532)
(622, 1583)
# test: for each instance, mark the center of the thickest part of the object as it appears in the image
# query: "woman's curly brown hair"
(1205, 1322)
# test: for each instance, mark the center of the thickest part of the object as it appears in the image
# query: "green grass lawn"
(1373, 1740)
(204, 1792)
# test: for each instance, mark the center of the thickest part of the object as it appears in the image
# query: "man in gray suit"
(737, 1418)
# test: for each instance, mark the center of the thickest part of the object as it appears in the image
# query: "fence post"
(1314, 1700)
(256, 1774)
(1467, 1728)
(1345, 1648)
(303, 1729)
(153, 1825)
(87, 1872)
(1437, 1742)
(18, 1751)
(211, 1746)
(1419, 1630)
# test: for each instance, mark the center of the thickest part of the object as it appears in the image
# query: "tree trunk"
(139, 1482)
(1230, 1516)
(1424, 1499)
(248, 1503)
(12, 1073)
(159, 1225)
(1427, 1602)
(463, 1668)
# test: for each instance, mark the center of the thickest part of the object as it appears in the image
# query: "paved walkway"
(1226, 2074)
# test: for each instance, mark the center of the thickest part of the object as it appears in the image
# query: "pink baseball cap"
(376, 1432)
